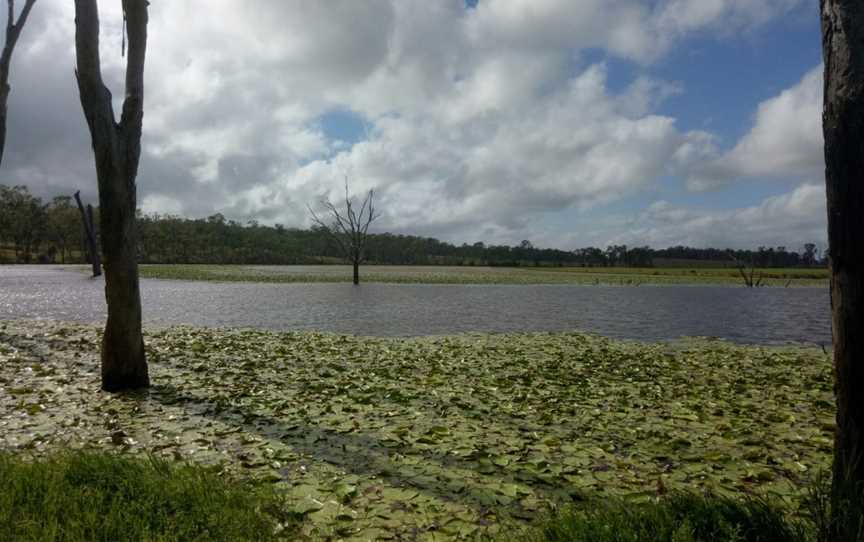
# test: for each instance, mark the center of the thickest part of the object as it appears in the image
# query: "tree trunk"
(117, 149)
(90, 234)
(356, 272)
(843, 125)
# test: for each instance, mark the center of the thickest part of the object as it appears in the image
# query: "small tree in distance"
(349, 229)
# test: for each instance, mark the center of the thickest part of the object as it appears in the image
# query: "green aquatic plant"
(450, 436)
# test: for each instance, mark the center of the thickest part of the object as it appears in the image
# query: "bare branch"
(13, 31)
(25, 12)
(329, 229)
(349, 229)
(10, 17)
(131, 119)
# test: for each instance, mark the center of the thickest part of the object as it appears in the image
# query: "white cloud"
(785, 140)
(495, 163)
(790, 219)
(480, 119)
(677, 17)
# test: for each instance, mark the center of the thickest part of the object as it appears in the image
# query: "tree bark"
(90, 234)
(843, 126)
(117, 150)
(13, 32)
(356, 272)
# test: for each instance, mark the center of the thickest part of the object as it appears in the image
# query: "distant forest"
(34, 231)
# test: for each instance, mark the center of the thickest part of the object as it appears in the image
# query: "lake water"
(763, 315)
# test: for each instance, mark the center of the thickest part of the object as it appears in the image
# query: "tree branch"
(135, 12)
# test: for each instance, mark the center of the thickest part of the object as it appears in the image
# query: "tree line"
(37, 231)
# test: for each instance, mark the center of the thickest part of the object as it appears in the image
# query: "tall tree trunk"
(117, 149)
(356, 272)
(843, 125)
(13, 31)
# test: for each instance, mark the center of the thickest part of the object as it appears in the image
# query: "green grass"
(682, 517)
(98, 496)
(482, 275)
(451, 436)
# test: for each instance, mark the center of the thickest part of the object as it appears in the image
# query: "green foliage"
(450, 436)
(837, 513)
(22, 221)
(92, 496)
(681, 517)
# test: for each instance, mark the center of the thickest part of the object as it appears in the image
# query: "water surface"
(762, 316)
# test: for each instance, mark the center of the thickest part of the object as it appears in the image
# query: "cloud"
(494, 161)
(790, 219)
(677, 17)
(480, 120)
(640, 31)
(785, 140)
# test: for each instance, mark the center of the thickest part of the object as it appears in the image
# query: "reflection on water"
(764, 315)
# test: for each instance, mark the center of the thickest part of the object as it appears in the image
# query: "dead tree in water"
(13, 32)
(843, 130)
(117, 151)
(349, 230)
(90, 234)
(747, 275)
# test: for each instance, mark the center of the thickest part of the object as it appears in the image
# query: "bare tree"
(117, 150)
(349, 229)
(747, 272)
(13, 32)
(843, 127)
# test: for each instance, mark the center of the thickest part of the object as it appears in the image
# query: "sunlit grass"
(682, 517)
(98, 496)
(483, 275)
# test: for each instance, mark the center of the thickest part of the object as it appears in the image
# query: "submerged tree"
(349, 229)
(117, 150)
(843, 126)
(13, 32)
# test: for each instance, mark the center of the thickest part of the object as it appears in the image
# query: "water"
(760, 316)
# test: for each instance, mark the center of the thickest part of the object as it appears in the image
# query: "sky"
(568, 123)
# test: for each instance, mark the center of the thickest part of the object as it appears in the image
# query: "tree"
(349, 230)
(13, 32)
(843, 127)
(22, 221)
(62, 224)
(809, 256)
(117, 151)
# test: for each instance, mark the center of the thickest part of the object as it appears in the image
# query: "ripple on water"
(764, 315)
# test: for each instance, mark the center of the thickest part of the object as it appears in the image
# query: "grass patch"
(98, 496)
(681, 517)
(617, 276)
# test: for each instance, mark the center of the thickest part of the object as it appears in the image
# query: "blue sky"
(723, 81)
(595, 122)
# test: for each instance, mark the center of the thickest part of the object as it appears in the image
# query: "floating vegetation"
(434, 437)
